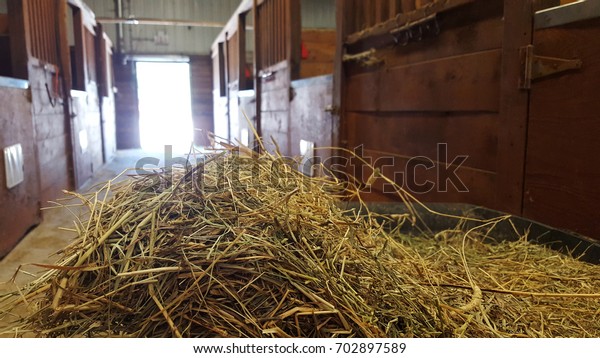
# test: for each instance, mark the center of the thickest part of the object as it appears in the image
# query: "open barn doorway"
(165, 107)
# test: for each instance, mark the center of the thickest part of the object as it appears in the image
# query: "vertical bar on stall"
(257, 67)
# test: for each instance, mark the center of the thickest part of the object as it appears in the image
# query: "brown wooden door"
(562, 172)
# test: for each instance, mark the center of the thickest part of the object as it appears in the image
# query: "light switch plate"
(13, 165)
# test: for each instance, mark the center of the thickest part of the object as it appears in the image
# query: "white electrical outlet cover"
(307, 150)
(13, 165)
(83, 140)
(245, 137)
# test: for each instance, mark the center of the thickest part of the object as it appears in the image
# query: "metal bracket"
(536, 67)
(333, 110)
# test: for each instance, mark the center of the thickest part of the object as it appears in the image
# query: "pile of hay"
(246, 246)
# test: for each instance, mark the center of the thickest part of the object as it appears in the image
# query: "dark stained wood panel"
(473, 28)
(563, 165)
(20, 42)
(463, 83)
(19, 209)
(422, 180)
(514, 102)
(418, 134)
(458, 87)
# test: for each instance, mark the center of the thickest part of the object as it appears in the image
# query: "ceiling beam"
(159, 22)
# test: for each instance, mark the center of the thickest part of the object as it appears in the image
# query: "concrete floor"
(40, 245)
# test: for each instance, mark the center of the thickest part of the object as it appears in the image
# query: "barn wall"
(445, 88)
(295, 40)
(562, 171)
(318, 52)
(59, 129)
(19, 206)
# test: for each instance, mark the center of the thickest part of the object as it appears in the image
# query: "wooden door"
(562, 173)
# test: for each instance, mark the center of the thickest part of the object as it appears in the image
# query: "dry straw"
(246, 246)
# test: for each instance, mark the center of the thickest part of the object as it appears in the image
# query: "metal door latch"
(535, 67)
(333, 110)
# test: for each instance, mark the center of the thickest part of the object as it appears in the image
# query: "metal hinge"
(535, 67)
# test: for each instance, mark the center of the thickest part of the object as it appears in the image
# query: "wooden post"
(241, 31)
(294, 38)
(514, 107)
(257, 63)
(227, 90)
(64, 59)
(338, 137)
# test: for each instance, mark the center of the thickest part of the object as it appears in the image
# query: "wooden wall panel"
(417, 177)
(514, 102)
(563, 164)
(459, 35)
(418, 134)
(201, 83)
(464, 83)
(439, 98)
(126, 105)
(320, 45)
(19, 205)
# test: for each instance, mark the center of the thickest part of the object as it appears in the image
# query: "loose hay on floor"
(245, 246)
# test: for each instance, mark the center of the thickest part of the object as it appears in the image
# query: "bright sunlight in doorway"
(165, 106)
